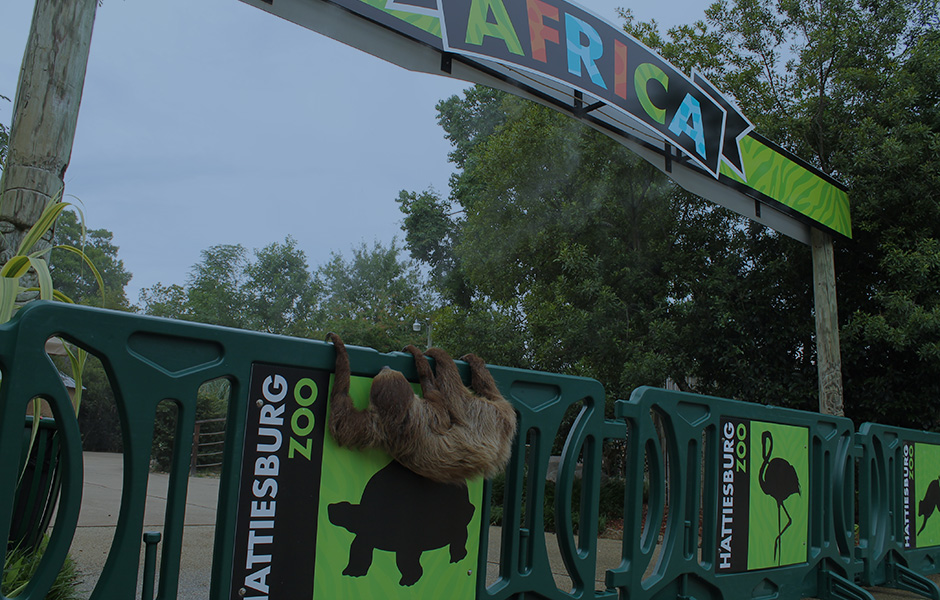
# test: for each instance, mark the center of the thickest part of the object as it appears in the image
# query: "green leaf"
(16, 267)
(43, 225)
(77, 358)
(45, 279)
(89, 263)
(9, 288)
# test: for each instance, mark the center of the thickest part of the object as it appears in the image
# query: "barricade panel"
(899, 502)
(752, 501)
(744, 500)
(150, 361)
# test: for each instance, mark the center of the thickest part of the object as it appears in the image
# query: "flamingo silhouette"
(930, 503)
(778, 480)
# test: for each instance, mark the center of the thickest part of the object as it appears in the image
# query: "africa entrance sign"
(563, 56)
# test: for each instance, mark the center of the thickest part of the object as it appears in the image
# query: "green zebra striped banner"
(782, 178)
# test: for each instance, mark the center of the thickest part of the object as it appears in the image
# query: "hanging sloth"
(448, 434)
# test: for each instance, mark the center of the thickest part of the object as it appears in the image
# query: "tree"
(374, 297)
(215, 290)
(561, 243)
(272, 291)
(890, 276)
(72, 275)
(167, 301)
(851, 87)
(430, 235)
(281, 295)
(557, 229)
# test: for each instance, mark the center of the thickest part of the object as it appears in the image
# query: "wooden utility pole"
(828, 356)
(45, 114)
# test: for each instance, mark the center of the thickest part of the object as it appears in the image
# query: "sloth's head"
(391, 393)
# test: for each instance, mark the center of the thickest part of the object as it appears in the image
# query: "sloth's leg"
(440, 418)
(348, 426)
(480, 378)
(453, 392)
(425, 375)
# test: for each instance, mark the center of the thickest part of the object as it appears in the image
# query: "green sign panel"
(764, 503)
(318, 521)
(920, 471)
(564, 56)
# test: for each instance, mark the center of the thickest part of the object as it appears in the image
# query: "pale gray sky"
(212, 122)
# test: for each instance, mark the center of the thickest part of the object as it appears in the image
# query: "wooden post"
(45, 113)
(828, 356)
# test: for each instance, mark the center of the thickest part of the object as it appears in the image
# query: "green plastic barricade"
(899, 507)
(38, 487)
(745, 501)
(298, 517)
(542, 402)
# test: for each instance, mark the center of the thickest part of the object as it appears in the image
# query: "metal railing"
(208, 444)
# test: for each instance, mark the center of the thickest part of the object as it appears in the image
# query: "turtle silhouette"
(930, 503)
(405, 513)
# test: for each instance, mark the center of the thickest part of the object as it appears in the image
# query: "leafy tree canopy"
(74, 278)
(272, 291)
(371, 299)
(573, 255)
(375, 297)
(609, 271)
(853, 87)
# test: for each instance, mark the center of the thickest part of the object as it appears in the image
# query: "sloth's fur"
(448, 434)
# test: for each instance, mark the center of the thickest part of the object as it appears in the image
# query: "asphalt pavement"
(101, 502)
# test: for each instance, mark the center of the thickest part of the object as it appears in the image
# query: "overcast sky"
(209, 122)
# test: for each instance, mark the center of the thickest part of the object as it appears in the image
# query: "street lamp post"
(416, 327)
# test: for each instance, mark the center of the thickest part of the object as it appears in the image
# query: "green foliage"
(30, 260)
(609, 502)
(281, 295)
(273, 291)
(71, 272)
(98, 421)
(852, 87)
(580, 258)
(374, 297)
(211, 403)
(20, 566)
(574, 257)
(430, 235)
(216, 289)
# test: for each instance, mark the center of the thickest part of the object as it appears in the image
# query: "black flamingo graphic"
(930, 503)
(778, 480)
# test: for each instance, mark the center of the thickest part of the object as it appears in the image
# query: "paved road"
(101, 501)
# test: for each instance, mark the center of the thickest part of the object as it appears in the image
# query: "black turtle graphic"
(407, 514)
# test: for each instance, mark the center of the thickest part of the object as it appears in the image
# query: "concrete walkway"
(101, 502)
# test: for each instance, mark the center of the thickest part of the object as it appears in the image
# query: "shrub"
(211, 403)
(610, 500)
(20, 566)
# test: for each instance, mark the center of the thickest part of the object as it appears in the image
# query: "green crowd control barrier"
(899, 508)
(37, 488)
(745, 501)
(294, 511)
(542, 402)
